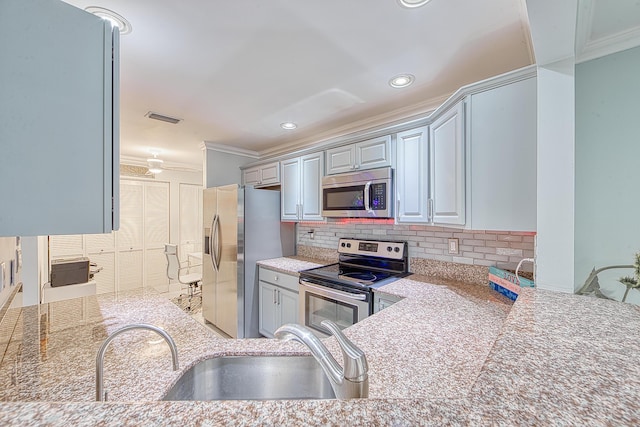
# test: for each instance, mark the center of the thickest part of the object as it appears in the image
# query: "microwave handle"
(367, 196)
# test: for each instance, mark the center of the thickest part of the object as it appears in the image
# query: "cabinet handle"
(278, 296)
(430, 210)
(398, 208)
(275, 278)
(274, 297)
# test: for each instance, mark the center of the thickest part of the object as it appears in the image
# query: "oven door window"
(319, 308)
(344, 198)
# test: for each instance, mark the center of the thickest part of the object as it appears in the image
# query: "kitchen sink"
(253, 378)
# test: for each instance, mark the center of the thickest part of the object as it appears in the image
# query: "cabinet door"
(374, 153)
(270, 174)
(59, 178)
(341, 159)
(267, 319)
(290, 190)
(447, 168)
(288, 306)
(311, 187)
(503, 126)
(412, 175)
(251, 176)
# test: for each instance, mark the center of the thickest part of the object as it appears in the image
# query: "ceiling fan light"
(155, 165)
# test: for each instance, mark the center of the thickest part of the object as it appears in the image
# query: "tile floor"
(173, 293)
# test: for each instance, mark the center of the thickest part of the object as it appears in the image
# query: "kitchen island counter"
(446, 354)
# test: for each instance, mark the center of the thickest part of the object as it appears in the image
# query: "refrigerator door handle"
(213, 250)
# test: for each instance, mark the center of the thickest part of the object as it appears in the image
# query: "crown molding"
(169, 165)
(208, 145)
(588, 48)
(405, 118)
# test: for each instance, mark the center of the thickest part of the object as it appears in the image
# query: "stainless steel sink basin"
(253, 378)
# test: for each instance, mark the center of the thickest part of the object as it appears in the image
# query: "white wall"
(555, 177)
(607, 217)
(7, 254)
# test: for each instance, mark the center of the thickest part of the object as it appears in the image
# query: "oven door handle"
(328, 291)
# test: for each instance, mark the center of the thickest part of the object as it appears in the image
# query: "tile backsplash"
(475, 248)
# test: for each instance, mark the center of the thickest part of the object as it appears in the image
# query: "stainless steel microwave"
(362, 194)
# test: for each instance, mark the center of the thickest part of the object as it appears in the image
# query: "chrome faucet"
(100, 394)
(352, 381)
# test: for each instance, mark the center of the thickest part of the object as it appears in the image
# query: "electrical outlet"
(453, 246)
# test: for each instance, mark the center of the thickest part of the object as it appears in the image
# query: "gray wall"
(607, 188)
(222, 168)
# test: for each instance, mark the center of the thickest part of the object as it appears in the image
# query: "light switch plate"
(2, 275)
(453, 246)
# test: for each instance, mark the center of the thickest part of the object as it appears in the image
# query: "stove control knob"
(348, 245)
(397, 249)
(389, 248)
(342, 244)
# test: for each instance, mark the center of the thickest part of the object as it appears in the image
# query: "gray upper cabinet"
(59, 128)
(430, 172)
(446, 163)
(502, 150)
(412, 174)
(263, 175)
(369, 154)
(301, 188)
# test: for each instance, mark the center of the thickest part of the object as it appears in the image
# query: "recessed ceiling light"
(412, 3)
(116, 20)
(288, 125)
(401, 80)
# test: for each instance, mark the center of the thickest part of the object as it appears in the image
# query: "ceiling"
(233, 71)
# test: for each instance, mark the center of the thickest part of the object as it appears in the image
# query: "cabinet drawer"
(287, 281)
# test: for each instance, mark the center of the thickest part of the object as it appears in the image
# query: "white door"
(156, 234)
(447, 168)
(190, 221)
(412, 174)
(130, 237)
(101, 249)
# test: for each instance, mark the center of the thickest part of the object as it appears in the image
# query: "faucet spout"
(350, 382)
(100, 394)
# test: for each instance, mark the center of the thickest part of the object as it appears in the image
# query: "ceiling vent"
(156, 116)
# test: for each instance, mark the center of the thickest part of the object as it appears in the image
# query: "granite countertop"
(445, 354)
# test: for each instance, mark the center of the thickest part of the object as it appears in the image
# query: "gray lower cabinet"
(278, 296)
(382, 300)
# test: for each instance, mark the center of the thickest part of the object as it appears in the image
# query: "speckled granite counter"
(446, 354)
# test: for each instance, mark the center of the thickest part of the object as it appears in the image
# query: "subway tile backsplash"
(503, 249)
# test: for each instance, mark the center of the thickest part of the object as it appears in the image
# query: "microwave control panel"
(378, 196)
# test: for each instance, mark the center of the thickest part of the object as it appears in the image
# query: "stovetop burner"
(363, 264)
(362, 277)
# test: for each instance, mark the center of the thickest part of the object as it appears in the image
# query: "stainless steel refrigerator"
(241, 226)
